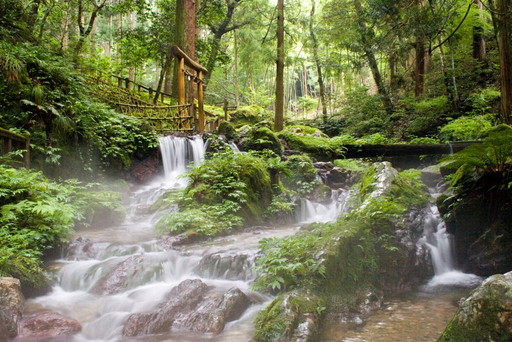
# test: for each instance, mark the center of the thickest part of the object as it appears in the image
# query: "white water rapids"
(102, 316)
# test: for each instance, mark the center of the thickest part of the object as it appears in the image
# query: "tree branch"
(455, 30)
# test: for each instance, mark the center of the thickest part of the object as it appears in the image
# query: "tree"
(316, 57)
(502, 17)
(279, 110)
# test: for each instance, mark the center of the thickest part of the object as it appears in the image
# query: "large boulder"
(486, 315)
(48, 325)
(190, 306)
(182, 298)
(212, 314)
(11, 305)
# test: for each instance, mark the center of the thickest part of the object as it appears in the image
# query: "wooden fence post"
(200, 102)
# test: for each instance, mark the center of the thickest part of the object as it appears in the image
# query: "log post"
(200, 102)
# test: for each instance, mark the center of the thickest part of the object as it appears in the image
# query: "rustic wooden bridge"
(185, 116)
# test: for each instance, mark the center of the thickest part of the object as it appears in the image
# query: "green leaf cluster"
(38, 215)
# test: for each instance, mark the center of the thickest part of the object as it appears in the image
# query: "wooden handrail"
(176, 51)
(9, 136)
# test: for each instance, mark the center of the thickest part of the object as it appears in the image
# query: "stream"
(222, 263)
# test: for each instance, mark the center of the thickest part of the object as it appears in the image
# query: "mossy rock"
(228, 130)
(290, 317)
(319, 148)
(306, 130)
(486, 315)
(261, 139)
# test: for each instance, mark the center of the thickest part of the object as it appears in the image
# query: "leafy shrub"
(376, 138)
(302, 175)
(465, 128)
(427, 115)
(38, 215)
(362, 112)
(305, 130)
(224, 192)
(483, 102)
(492, 156)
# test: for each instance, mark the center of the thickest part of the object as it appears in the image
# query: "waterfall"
(177, 154)
(310, 211)
(440, 244)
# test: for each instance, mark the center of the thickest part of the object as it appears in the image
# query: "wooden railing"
(12, 141)
(200, 71)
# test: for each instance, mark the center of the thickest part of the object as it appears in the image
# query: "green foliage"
(270, 322)
(317, 147)
(259, 139)
(427, 115)
(492, 156)
(483, 101)
(376, 138)
(465, 128)
(302, 175)
(351, 164)
(38, 215)
(362, 113)
(227, 190)
(305, 130)
(288, 262)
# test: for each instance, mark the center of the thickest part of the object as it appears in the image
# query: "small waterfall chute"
(177, 154)
(310, 211)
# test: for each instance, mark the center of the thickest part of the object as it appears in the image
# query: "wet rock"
(181, 299)
(212, 314)
(117, 279)
(486, 315)
(48, 325)
(80, 248)
(431, 176)
(227, 266)
(145, 168)
(336, 177)
(11, 305)
(190, 307)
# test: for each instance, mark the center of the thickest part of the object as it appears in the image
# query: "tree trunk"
(372, 60)
(321, 85)
(503, 18)
(419, 67)
(235, 79)
(479, 46)
(279, 114)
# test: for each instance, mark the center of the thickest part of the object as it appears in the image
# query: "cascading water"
(440, 244)
(310, 211)
(177, 154)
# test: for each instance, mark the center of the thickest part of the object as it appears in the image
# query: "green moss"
(320, 148)
(261, 139)
(351, 164)
(270, 322)
(305, 130)
(228, 130)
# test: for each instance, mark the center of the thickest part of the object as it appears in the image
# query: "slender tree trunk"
(321, 85)
(503, 18)
(235, 69)
(372, 60)
(279, 110)
(419, 67)
(479, 46)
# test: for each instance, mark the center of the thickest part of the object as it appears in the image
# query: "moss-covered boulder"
(486, 315)
(260, 139)
(290, 317)
(228, 130)
(317, 147)
(351, 263)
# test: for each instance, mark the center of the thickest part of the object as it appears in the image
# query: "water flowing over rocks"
(486, 315)
(11, 305)
(190, 307)
(227, 266)
(116, 280)
(48, 325)
(336, 177)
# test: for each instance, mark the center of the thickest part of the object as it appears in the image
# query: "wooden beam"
(181, 81)
(200, 103)
(176, 51)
